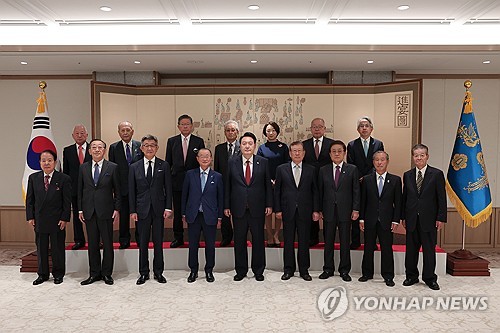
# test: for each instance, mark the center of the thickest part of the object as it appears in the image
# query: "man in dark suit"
(424, 213)
(223, 152)
(181, 156)
(150, 196)
(248, 199)
(125, 152)
(317, 155)
(202, 209)
(379, 217)
(73, 156)
(359, 153)
(339, 201)
(99, 207)
(296, 201)
(48, 209)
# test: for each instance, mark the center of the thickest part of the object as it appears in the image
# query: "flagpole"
(463, 235)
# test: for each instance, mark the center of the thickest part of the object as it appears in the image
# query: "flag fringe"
(470, 221)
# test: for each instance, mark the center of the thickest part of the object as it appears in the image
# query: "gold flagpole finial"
(42, 85)
(467, 84)
(468, 97)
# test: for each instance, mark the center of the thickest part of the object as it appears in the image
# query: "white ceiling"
(201, 36)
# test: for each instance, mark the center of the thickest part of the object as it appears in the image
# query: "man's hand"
(227, 212)
(134, 217)
(439, 225)
(362, 225)
(354, 215)
(279, 215)
(62, 224)
(316, 216)
(269, 211)
(32, 222)
(116, 216)
(81, 218)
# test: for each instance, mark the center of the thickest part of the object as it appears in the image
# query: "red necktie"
(46, 182)
(248, 175)
(316, 149)
(80, 154)
(337, 176)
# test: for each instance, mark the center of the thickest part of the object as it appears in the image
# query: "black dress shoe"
(239, 277)
(409, 282)
(286, 276)
(364, 278)
(192, 277)
(160, 278)
(225, 242)
(108, 279)
(259, 277)
(306, 277)
(58, 280)
(142, 279)
(77, 246)
(355, 246)
(209, 276)
(325, 275)
(389, 283)
(313, 242)
(39, 280)
(124, 246)
(271, 244)
(176, 243)
(433, 285)
(345, 277)
(90, 280)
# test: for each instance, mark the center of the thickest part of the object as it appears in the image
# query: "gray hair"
(364, 118)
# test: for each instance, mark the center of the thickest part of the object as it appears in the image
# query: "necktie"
(420, 180)
(248, 173)
(316, 149)
(380, 184)
(128, 154)
(203, 180)
(230, 152)
(80, 154)
(296, 174)
(96, 173)
(149, 175)
(46, 182)
(185, 148)
(365, 147)
(337, 176)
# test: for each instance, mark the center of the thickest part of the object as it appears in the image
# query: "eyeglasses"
(317, 127)
(97, 147)
(150, 146)
(231, 130)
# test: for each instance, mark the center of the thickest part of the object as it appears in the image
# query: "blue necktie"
(96, 173)
(365, 147)
(128, 154)
(380, 185)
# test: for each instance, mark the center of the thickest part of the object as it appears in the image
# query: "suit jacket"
(117, 155)
(221, 156)
(211, 199)
(256, 196)
(385, 208)
(346, 197)
(103, 198)
(175, 158)
(356, 154)
(142, 195)
(430, 205)
(48, 208)
(71, 165)
(288, 198)
(324, 154)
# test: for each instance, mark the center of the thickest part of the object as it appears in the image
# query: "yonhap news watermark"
(334, 302)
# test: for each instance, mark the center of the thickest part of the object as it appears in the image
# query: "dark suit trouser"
(194, 232)
(226, 229)
(79, 236)
(330, 228)
(151, 224)
(314, 233)
(57, 252)
(387, 259)
(177, 225)
(98, 229)
(356, 233)
(303, 227)
(415, 239)
(256, 226)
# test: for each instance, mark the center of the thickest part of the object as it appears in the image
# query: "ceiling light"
(486, 62)
(403, 7)
(369, 62)
(105, 8)
(253, 61)
(253, 7)
(24, 62)
(137, 62)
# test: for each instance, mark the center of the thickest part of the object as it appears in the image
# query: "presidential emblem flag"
(467, 181)
(41, 139)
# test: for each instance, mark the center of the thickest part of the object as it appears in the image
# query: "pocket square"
(160, 170)
(212, 182)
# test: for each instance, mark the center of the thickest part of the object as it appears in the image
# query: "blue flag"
(467, 181)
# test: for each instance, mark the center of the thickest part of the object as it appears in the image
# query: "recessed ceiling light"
(24, 62)
(253, 61)
(105, 8)
(369, 62)
(486, 62)
(253, 7)
(137, 62)
(403, 7)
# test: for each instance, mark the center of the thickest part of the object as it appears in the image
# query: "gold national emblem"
(459, 161)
